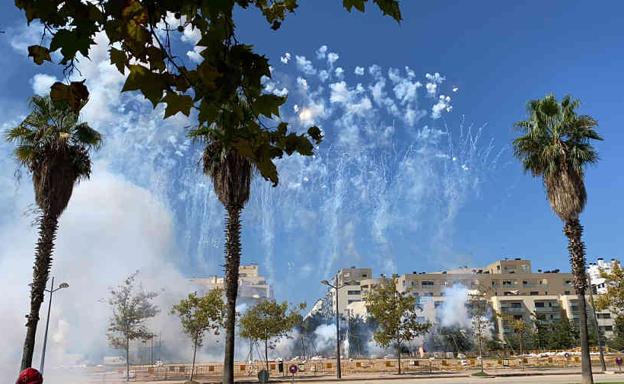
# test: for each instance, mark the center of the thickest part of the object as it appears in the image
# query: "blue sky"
(498, 54)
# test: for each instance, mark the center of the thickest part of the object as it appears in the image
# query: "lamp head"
(63, 285)
(325, 282)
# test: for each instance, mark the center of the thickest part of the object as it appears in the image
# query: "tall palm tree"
(556, 145)
(54, 147)
(231, 176)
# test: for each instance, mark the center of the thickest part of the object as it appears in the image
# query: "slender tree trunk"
(399, 355)
(266, 354)
(43, 260)
(232, 263)
(574, 231)
(127, 359)
(194, 354)
(480, 348)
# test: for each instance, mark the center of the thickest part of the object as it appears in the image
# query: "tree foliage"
(613, 298)
(395, 314)
(225, 88)
(54, 146)
(617, 341)
(200, 314)
(132, 307)
(269, 321)
(556, 145)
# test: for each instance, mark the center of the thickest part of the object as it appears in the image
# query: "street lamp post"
(336, 288)
(45, 337)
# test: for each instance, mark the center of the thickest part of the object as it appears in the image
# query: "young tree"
(54, 147)
(520, 328)
(131, 308)
(556, 146)
(481, 325)
(617, 341)
(269, 321)
(395, 314)
(198, 315)
(562, 335)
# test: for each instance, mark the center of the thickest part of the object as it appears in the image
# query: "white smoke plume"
(454, 310)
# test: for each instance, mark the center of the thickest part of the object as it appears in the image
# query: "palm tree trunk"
(232, 263)
(43, 259)
(573, 231)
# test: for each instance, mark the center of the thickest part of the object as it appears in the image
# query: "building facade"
(510, 287)
(252, 287)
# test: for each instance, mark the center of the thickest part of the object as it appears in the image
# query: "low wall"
(356, 367)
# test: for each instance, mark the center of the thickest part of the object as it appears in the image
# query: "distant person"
(29, 376)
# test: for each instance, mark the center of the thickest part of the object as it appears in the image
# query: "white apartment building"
(509, 285)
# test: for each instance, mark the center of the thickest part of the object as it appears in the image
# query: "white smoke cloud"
(110, 229)
(453, 311)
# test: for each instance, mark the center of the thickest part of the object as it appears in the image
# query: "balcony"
(513, 309)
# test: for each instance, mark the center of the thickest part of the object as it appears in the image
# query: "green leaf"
(39, 54)
(119, 59)
(70, 42)
(349, 4)
(268, 105)
(390, 8)
(152, 85)
(74, 95)
(208, 75)
(177, 103)
(316, 134)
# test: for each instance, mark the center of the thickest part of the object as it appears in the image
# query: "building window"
(354, 292)
(425, 283)
(539, 305)
(566, 292)
(603, 315)
(534, 293)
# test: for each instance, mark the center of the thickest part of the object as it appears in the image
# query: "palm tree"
(54, 147)
(231, 177)
(556, 146)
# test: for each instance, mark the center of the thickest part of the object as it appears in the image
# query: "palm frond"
(54, 147)
(87, 136)
(556, 145)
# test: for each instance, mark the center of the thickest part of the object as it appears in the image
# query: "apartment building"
(349, 287)
(252, 286)
(510, 286)
(594, 271)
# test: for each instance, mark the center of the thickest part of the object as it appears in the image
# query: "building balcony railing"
(512, 310)
(548, 309)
